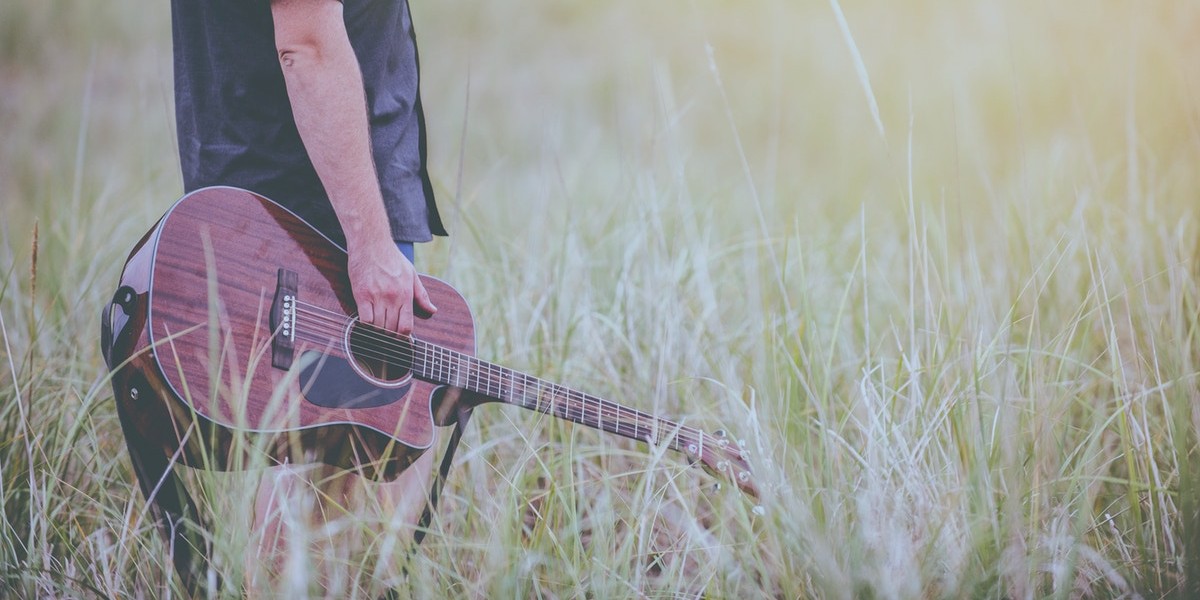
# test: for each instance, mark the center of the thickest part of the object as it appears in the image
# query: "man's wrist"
(373, 242)
(364, 221)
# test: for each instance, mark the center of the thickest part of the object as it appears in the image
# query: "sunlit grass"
(959, 339)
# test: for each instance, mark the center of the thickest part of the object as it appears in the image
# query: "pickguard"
(331, 382)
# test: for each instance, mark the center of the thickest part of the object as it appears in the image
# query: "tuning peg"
(722, 440)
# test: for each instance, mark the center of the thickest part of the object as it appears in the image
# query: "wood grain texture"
(215, 256)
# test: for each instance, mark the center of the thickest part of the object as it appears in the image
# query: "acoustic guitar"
(235, 319)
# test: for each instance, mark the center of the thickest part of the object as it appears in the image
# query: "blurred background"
(555, 104)
(934, 256)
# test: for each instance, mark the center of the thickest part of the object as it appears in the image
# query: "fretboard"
(444, 366)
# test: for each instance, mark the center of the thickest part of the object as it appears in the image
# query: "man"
(315, 104)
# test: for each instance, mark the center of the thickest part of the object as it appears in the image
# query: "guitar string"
(590, 413)
(587, 413)
(586, 408)
(682, 438)
(334, 324)
(587, 404)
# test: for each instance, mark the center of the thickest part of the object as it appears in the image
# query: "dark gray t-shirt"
(235, 122)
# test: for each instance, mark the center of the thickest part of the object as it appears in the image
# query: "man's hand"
(386, 288)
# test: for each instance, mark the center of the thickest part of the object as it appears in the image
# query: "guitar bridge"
(283, 320)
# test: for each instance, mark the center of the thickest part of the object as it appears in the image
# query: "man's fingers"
(421, 297)
(391, 319)
(405, 325)
(366, 312)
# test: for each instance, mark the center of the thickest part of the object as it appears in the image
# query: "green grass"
(960, 340)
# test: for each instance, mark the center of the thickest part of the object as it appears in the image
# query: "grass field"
(934, 261)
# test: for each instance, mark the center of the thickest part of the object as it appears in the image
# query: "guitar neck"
(447, 367)
(441, 365)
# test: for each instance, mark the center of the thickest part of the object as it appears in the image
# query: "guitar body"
(236, 317)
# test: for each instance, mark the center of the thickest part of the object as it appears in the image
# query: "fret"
(500, 379)
(480, 383)
(494, 382)
(556, 405)
(443, 365)
(460, 370)
(579, 408)
(480, 379)
(436, 364)
(569, 406)
(517, 390)
(581, 405)
(475, 378)
(618, 424)
(484, 381)
(491, 382)
(538, 396)
(514, 387)
(563, 402)
(597, 411)
(418, 363)
(523, 398)
(464, 371)
(424, 368)
(553, 397)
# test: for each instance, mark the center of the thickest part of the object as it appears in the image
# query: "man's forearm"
(326, 91)
(328, 101)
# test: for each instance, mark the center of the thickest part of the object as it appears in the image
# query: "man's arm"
(325, 88)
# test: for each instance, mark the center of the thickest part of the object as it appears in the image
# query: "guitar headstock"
(726, 458)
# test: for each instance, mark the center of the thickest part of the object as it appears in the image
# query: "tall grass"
(959, 338)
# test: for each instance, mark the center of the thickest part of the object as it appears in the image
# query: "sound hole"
(380, 355)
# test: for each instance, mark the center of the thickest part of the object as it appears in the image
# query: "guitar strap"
(174, 511)
(435, 490)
